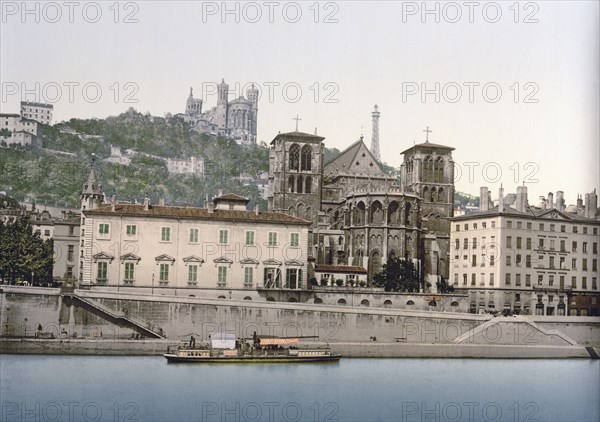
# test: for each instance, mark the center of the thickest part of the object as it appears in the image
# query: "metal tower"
(375, 135)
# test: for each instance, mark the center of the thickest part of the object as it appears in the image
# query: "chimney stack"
(146, 204)
(484, 198)
(256, 209)
(521, 200)
(560, 200)
(501, 199)
(593, 205)
(579, 204)
(542, 202)
(550, 200)
(113, 203)
(211, 207)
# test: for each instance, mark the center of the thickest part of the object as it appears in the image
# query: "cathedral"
(362, 216)
(234, 119)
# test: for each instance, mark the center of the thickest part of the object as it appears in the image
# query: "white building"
(525, 259)
(220, 247)
(23, 131)
(39, 112)
(194, 165)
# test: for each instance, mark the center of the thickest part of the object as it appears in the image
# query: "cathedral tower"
(296, 174)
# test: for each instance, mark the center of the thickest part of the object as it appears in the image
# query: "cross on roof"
(427, 132)
(296, 119)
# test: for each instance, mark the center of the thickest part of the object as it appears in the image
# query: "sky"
(512, 86)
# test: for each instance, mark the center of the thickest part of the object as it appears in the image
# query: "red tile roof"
(137, 210)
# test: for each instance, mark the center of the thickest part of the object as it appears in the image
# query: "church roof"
(356, 159)
(428, 145)
(92, 186)
(299, 135)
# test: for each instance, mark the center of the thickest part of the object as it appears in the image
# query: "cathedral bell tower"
(296, 174)
(91, 195)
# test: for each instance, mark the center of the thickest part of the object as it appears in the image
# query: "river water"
(115, 388)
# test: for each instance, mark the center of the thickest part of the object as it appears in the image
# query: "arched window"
(294, 157)
(433, 303)
(341, 302)
(247, 298)
(291, 183)
(318, 300)
(308, 184)
(364, 302)
(410, 303)
(306, 157)
(299, 184)
(407, 214)
(387, 304)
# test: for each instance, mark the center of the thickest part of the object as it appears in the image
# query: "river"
(111, 388)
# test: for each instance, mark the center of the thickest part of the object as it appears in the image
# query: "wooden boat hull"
(172, 358)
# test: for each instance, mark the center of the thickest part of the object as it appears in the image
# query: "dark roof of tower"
(428, 145)
(299, 135)
(92, 186)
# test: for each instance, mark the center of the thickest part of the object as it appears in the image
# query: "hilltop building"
(519, 258)
(193, 165)
(39, 112)
(236, 119)
(22, 131)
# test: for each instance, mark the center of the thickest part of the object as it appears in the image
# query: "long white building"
(538, 260)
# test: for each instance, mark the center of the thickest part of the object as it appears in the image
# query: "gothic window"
(428, 167)
(433, 195)
(439, 170)
(291, 183)
(376, 213)
(295, 157)
(306, 157)
(299, 184)
(308, 184)
(407, 214)
(441, 195)
(393, 213)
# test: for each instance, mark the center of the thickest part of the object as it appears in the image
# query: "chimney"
(113, 203)
(579, 203)
(64, 214)
(211, 207)
(501, 199)
(256, 209)
(591, 205)
(560, 200)
(146, 204)
(483, 198)
(521, 204)
(550, 200)
(542, 202)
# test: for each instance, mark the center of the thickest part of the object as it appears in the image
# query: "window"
(552, 244)
(551, 280)
(563, 246)
(492, 258)
(528, 280)
(131, 230)
(192, 275)
(509, 242)
(457, 244)
(517, 279)
(584, 264)
(584, 282)
(71, 230)
(70, 271)
(474, 226)
(594, 248)
(464, 279)
(541, 227)
(518, 243)
(573, 282)
(250, 238)
(574, 247)
(519, 225)
(223, 237)
(594, 283)
(552, 227)
(193, 235)
(103, 229)
(484, 224)
(507, 279)
(563, 228)
(562, 282)
(129, 272)
(466, 227)
(540, 279)
(551, 264)
(474, 260)
(528, 261)
(574, 229)
(561, 264)
(594, 265)
(458, 227)
(222, 277)
(46, 232)
(574, 263)
(272, 239)
(509, 224)
(294, 240)
(473, 279)
(585, 230)
(541, 243)
(293, 278)
(518, 260)
(102, 273)
(492, 275)
(474, 243)
(482, 279)
(248, 276)
(71, 253)
(528, 226)
(584, 247)
(165, 234)
(508, 260)
(493, 224)
(465, 243)
(163, 277)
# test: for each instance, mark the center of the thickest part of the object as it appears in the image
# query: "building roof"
(34, 104)
(532, 212)
(299, 135)
(9, 115)
(158, 211)
(351, 161)
(428, 145)
(231, 197)
(340, 269)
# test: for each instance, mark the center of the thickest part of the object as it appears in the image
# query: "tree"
(24, 255)
(443, 286)
(398, 275)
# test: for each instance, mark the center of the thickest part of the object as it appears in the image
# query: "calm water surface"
(89, 388)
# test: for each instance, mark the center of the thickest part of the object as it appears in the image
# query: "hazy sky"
(537, 120)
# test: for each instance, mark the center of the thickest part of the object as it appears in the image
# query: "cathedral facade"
(234, 119)
(362, 216)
